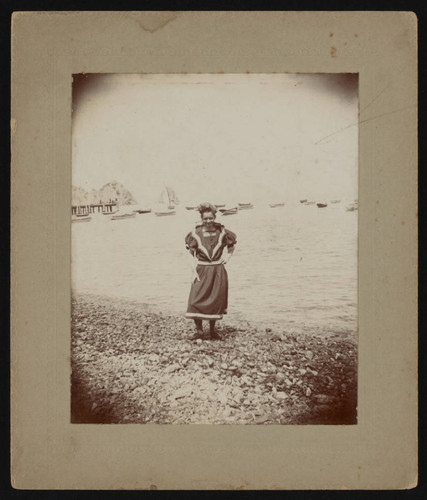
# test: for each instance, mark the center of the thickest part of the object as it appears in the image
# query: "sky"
(219, 138)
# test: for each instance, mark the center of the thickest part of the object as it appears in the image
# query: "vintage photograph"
(214, 262)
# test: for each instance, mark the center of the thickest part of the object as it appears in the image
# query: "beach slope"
(132, 365)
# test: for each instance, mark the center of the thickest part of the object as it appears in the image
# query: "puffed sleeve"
(190, 242)
(230, 239)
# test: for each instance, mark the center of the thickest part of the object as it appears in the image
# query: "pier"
(92, 208)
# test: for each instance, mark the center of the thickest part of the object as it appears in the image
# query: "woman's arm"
(227, 256)
(192, 262)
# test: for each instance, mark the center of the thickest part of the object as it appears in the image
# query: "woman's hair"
(206, 207)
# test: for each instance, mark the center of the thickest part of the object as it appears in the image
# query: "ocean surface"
(294, 267)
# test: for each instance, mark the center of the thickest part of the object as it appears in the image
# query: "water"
(294, 268)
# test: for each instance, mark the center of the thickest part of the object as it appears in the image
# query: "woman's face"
(208, 219)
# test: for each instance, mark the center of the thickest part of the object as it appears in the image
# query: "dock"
(92, 208)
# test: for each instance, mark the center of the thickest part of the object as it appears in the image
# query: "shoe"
(195, 336)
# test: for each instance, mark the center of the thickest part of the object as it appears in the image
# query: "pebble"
(309, 355)
(308, 392)
(261, 419)
(323, 399)
(246, 380)
(281, 395)
(172, 368)
(181, 393)
(222, 398)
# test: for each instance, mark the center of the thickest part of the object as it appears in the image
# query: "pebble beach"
(131, 364)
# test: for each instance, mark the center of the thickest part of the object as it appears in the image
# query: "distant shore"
(133, 365)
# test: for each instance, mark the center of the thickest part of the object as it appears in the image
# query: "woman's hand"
(194, 275)
(225, 258)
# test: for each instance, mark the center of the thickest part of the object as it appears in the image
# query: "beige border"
(49, 452)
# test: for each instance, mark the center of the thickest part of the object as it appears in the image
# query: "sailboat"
(169, 198)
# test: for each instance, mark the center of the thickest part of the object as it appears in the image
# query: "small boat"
(230, 211)
(276, 205)
(310, 203)
(168, 198)
(335, 201)
(303, 201)
(190, 208)
(245, 206)
(110, 213)
(123, 216)
(352, 207)
(220, 206)
(165, 212)
(82, 215)
(141, 211)
(322, 205)
(82, 219)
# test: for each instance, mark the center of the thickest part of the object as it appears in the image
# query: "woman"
(211, 246)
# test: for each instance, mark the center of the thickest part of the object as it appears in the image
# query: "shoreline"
(131, 364)
(231, 320)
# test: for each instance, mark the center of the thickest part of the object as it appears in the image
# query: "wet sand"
(133, 365)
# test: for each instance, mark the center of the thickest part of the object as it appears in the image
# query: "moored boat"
(303, 201)
(310, 203)
(81, 219)
(123, 216)
(191, 208)
(165, 212)
(229, 211)
(352, 207)
(276, 205)
(222, 205)
(168, 198)
(245, 206)
(322, 205)
(142, 211)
